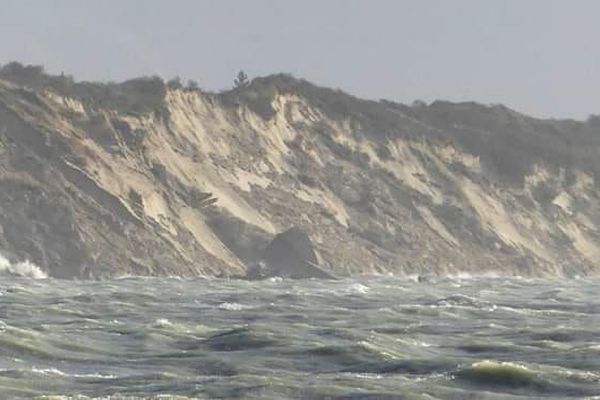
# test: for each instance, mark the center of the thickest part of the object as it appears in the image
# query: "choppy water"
(383, 338)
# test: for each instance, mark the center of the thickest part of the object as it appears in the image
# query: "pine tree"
(242, 80)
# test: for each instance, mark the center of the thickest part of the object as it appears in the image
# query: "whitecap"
(57, 372)
(358, 288)
(233, 306)
(162, 323)
(419, 343)
(48, 371)
(23, 269)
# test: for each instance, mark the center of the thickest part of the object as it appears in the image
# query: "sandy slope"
(200, 184)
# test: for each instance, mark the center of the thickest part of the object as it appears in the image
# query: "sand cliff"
(142, 178)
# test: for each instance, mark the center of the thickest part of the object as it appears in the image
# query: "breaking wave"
(22, 269)
(512, 377)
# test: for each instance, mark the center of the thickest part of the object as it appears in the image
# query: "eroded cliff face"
(197, 183)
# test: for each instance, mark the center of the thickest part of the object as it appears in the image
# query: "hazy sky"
(537, 56)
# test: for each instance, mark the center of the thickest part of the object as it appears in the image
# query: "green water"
(378, 338)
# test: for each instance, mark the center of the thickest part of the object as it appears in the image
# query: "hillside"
(141, 177)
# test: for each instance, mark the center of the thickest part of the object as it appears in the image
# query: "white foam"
(57, 372)
(23, 269)
(48, 371)
(233, 306)
(162, 323)
(358, 288)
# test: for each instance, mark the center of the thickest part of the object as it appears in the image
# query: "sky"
(541, 57)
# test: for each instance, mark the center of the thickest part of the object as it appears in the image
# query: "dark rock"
(289, 255)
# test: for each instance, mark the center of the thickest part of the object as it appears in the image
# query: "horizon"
(536, 57)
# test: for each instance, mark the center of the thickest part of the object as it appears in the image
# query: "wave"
(512, 376)
(242, 338)
(23, 269)
(499, 373)
(233, 306)
(357, 288)
(57, 372)
(162, 323)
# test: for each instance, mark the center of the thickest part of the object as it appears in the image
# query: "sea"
(381, 337)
